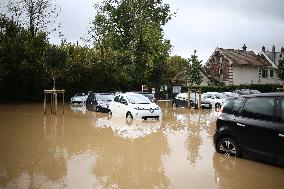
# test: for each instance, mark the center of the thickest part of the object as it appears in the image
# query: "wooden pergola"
(199, 100)
(53, 100)
(281, 89)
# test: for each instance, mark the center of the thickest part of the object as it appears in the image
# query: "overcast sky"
(200, 25)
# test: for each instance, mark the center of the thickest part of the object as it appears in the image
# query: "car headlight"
(103, 105)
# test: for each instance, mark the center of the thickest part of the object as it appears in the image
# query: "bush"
(264, 88)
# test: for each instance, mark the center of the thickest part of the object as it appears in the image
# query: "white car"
(134, 106)
(231, 94)
(79, 98)
(216, 99)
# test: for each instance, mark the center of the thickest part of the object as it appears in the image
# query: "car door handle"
(281, 135)
(241, 125)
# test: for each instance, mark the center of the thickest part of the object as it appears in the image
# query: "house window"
(264, 73)
(271, 74)
(220, 71)
(280, 56)
(267, 73)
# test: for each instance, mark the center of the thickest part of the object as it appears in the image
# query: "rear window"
(231, 106)
(259, 108)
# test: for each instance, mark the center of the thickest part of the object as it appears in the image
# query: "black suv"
(252, 126)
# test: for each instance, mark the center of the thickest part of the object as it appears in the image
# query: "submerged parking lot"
(85, 149)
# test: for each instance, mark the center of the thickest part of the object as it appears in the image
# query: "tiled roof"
(241, 57)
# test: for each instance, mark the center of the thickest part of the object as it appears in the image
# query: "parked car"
(246, 91)
(216, 99)
(252, 126)
(79, 98)
(231, 94)
(205, 103)
(181, 100)
(99, 102)
(134, 106)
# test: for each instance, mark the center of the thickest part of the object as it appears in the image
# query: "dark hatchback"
(99, 102)
(252, 126)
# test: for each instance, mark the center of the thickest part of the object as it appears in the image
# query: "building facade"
(180, 78)
(231, 66)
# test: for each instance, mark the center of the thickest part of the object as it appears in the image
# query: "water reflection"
(32, 156)
(189, 139)
(240, 173)
(80, 108)
(92, 150)
(127, 130)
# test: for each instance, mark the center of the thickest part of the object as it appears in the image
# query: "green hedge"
(264, 88)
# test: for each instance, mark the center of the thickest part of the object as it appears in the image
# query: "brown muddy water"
(84, 149)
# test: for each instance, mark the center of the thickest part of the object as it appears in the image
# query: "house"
(273, 58)
(180, 78)
(234, 66)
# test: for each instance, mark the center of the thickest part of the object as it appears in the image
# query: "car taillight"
(220, 112)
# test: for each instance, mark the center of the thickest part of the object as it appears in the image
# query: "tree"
(35, 15)
(280, 71)
(55, 60)
(193, 70)
(22, 73)
(133, 28)
(174, 65)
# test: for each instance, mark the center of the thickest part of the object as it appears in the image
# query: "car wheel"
(129, 117)
(229, 147)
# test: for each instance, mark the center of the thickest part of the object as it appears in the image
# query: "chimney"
(282, 49)
(263, 48)
(273, 54)
(244, 47)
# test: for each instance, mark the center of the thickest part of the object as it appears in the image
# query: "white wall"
(205, 80)
(245, 75)
(250, 75)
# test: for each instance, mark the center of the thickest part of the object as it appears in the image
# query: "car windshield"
(220, 96)
(104, 97)
(149, 95)
(205, 96)
(138, 99)
(182, 95)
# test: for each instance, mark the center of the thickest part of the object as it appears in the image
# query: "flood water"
(84, 149)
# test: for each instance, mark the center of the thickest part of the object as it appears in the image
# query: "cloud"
(205, 25)
(199, 25)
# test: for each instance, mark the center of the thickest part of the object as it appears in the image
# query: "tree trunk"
(53, 78)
